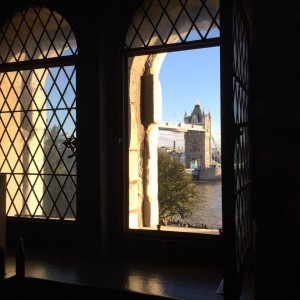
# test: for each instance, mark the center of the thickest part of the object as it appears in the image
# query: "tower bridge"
(200, 148)
(180, 127)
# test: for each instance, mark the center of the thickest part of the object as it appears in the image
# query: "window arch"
(38, 114)
(161, 23)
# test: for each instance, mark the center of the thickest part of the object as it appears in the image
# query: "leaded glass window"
(38, 114)
(157, 28)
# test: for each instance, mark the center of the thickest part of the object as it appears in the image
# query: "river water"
(208, 211)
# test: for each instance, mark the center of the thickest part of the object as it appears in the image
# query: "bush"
(177, 194)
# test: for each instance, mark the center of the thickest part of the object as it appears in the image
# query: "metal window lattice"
(243, 217)
(165, 22)
(36, 33)
(38, 116)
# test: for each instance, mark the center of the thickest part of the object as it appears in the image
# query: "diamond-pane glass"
(36, 33)
(164, 22)
(38, 116)
(242, 146)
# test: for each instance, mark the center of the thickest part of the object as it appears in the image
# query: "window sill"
(184, 229)
(132, 277)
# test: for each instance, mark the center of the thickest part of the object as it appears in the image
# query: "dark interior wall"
(275, 121)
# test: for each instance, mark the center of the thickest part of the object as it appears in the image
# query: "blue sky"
(61, 76)
(190, 76)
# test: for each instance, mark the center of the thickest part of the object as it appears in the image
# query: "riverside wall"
(211, 173)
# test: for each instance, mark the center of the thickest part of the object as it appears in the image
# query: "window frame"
(44, 62)
(229, 243)
(39, 233)
(162, 243)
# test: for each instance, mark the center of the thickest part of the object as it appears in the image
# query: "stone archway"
(145, 110)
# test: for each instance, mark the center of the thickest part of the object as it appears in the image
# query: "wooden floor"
(135, 277)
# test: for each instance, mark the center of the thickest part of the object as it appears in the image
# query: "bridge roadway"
(179, 127)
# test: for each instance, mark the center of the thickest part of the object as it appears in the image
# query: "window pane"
(162, 88)
(162, 22)
(38, 116)
(35, 33)
(190, 131)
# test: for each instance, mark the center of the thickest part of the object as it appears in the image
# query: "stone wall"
(211, 173)
(145, 109)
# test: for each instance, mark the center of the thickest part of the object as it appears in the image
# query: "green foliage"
(54, 148)
(57, 169)
(177, 193)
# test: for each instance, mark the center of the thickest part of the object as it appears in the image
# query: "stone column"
(151, 112)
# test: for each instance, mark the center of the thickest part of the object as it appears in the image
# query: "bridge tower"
(198, 143)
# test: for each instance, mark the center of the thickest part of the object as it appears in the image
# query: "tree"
(58, 168)
(177, 193)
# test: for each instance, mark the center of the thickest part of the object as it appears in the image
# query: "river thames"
(208, 211)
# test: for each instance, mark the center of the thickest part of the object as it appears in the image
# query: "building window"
(158, 27)
(38, 114)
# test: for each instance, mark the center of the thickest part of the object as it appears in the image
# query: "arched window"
(38, 114)
(162, 26)
(157, 28)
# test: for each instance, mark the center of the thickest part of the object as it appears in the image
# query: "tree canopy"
(58, 201)
(177, 193)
